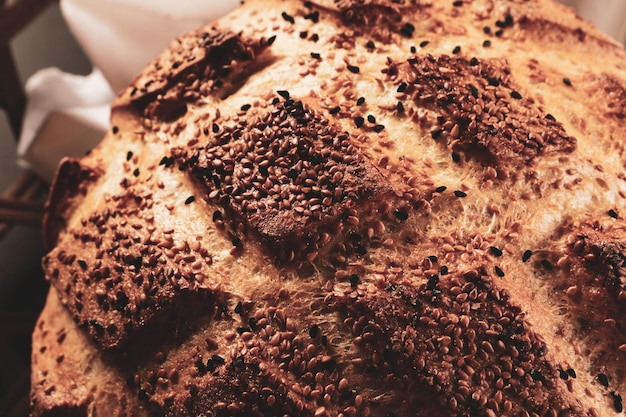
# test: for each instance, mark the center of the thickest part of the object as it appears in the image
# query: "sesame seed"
(288, 17)
(516, 95)
(460, 193)
(315, 55)
(360, 101)
(441, 189)
(190, 200)
(487, 43)
(353, 69)
(424, 43)
(456, 49)
(129, 155)
(499, 271)
(612, 213)
(526, 255)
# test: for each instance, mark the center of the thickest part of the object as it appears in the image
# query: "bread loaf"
(349, 208)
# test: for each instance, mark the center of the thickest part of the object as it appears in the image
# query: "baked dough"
(349, 208)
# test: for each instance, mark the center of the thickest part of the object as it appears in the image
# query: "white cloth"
(67, 115)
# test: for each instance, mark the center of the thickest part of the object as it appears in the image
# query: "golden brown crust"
(350, 208)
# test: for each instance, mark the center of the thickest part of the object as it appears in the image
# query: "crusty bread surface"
(349, 208)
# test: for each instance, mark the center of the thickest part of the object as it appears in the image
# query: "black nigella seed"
(314, 331)
(353, 69)
(236, 241)
(436, 133)
(567, 81)
(271, 39)
(444, 270)
(486, 30)
(115, 129)
(433, 258)
(215, 128)
(402, 87)
(617, 402)
(379, 128)
(324, 340)
(460, 193)
(217, 215)
(252, 323)
(612, 213)
(494, 82)
(304, 34)
(432, 282)
(288, 17)
(335, 110)
(401, 214)
(275, 100)
(441, 189)
(499, 32)
(474, 91)
(242, 330)
(487, 43)
(354, 280)
(358, 121)
(205, 131)
(246, 107)
(516, 95)
(495, 251)
(371, 118)
(458, 3)
(360, 101)
(315, 37)
(550, 117)
(456, 49)
(526, 255)
(424, 43)
(316, 55)
(407, 30)
(499, 271)
(413, 49)
(283, 93)
(603, 380)
(190, 199)
(136, 172)
(313, 16)
(473, 62)
(239, 308)
(571, 373)
(82, 264)
(400, 107)
(129, 155)
(563, 374)
(456, 157)
(547, 264)
(370, 45)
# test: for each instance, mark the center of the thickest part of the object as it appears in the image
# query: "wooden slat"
(17, 16)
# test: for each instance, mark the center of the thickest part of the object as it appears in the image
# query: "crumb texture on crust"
(349, 208)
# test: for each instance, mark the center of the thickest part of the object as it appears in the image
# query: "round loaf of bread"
(349, 208)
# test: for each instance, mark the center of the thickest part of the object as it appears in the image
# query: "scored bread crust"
(348, 208)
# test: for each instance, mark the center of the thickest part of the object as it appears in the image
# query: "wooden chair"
(19, 203)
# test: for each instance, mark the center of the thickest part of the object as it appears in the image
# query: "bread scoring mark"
(482, 112)
(459, 337)
(586, 271)
(198, 64)
(287, 171)
(116, 275)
